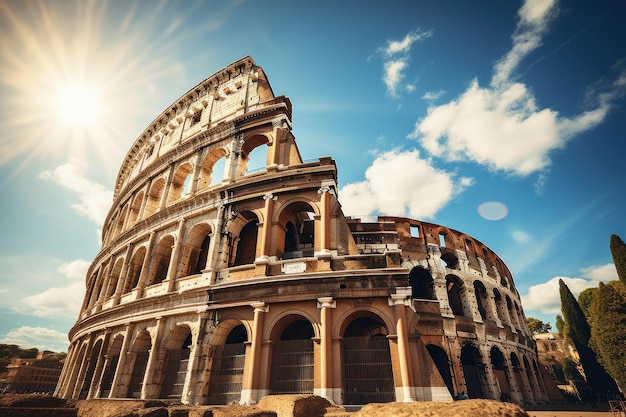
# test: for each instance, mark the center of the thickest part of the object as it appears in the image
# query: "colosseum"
(218, 282)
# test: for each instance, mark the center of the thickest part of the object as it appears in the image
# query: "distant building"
(28, 375)
(218, 282)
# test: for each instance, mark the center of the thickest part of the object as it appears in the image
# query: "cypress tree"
(618, 251)
(608, 333)
(579, 333)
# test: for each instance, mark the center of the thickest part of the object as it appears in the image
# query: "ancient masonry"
(218, 282)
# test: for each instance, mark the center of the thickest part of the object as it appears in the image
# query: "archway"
(422, 284)
(245, 245)
(226, 378)
(110, 366)
(297, 231)
(93, 360)
(454, 287)
(367, 369)
(292, 358)
(178, 350)
(498, 365)
(442, 363)
(140, 351)
(473, 370)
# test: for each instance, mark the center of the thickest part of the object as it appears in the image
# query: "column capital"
(260, 307)
(324, 302)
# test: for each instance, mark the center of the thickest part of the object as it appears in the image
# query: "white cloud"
(57, 301)
(501, 126)
(401, 184)
(545, 297)
(39, 337)
(396, 61)
(433, 95)
(75, 269)
(95, 199)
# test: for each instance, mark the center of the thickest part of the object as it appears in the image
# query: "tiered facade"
(217, 282)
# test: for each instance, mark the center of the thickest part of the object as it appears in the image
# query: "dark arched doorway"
(292, 360)
(442, 363)
(227, 370)
(473, 370)
(367, 369)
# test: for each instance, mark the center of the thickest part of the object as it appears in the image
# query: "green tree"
(584, 300)
(537, 326)
(618, 251)
(579, 333)
(561, 326)
(608, 334)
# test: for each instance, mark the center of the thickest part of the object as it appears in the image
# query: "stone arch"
(422, 284)
(519, 377)
(473, 371)
(226, 379)
(500, 306)
(178, 347)
(139, 362)
(251, 151)
(455, 288)
(532, 381)
(208, 174)
(135, 207)
(367, 366)
(482, 302)
(500, 371)
(91, 369)
(292, 368)
(154, 197)
(161, 260)
(443, 364)
(114, 277)
(119, 227)
(110, 365)
(196, 249)
(134, 269)
(245, 230)
(295, 237)
(511, 311)
(181, 183)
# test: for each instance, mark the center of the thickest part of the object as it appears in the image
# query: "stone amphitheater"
(218, 282)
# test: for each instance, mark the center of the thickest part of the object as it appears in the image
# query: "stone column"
(195, 178)
(250, 386)
(121, 280)
(172, 269)
(264, 243)
(326, 304)
(80, 380)
(166, 190)
(323, 243)
(192, 388)
(398, 301)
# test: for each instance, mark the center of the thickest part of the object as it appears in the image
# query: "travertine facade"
(216, 283)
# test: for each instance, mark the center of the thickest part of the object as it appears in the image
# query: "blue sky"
(501, 119)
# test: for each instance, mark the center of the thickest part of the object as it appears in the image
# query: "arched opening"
(473, 371)
(227, 371)
(367, 369)
(245, 245)
(422, 284)
(212, 168)
(110, 366)
(449, 259)
(181, 183)
(93, 360)
(498, 365)
(517, 371)
(139, 352)
(500, 306)
(154, 197)
(178, 350)
(455, 287)
(480, 292)
(253, 155)
(292, 358)
(161, 260)
(114, 278)
(120, 221)
(439, 356)
(534, 389)
(135, 207)
(298, 227)
(196, 250)
(511, 311)
(134, 270)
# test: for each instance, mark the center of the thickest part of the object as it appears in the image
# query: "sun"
(77, 105)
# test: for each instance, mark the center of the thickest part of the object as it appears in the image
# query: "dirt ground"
(278, 406)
